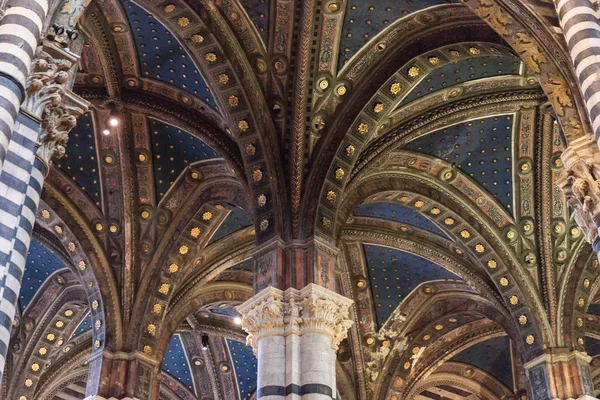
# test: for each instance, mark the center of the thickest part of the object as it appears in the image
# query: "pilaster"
(560, 374)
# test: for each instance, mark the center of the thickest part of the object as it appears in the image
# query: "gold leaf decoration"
(558, 93)
(494, 15)
(529, 51)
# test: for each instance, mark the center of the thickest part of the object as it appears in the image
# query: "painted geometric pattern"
(175, 362)
(394, 274)
(258, 11)
(492, 356)
(235, 220)
(84, 326)
(398, 213)
(41, 263)
(481, 148)
(173, 151)
(365, 19)
(463, 71)
(80, 161)
(244, 363)
(161, 56)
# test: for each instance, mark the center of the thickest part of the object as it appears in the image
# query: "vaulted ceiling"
(408, 134)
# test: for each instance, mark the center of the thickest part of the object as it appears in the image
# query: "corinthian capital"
(262, 315)
(325, 312)
(51, 101)
(313, 309)
(580, 182)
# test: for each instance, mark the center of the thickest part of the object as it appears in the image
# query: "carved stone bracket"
(51, 101)
(313, 309)
(580, 182)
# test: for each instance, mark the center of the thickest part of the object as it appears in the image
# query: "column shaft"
(295, 335)
(23, 178)
(581, 29)
(20, 30)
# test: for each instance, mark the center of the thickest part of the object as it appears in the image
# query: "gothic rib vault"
(350, 200)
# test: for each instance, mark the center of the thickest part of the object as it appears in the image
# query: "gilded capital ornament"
(580, 182)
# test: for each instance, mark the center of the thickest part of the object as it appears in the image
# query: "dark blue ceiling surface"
(492, 356)
(245, 366)
(172, 151)
(175, 362)
(258, 11)
(365, 19)
(41, 263)
(465, 70)
(592, 346)
(235, 220)
(393, 274)
(84, 326)
(80, 161)
(396, 212)
(481, 148)
(594, 309)
(161, 56)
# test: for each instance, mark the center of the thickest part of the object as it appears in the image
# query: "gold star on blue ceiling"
(365, 19)
(41, 264)
(481, 148)
(162, 57)
(235, 220)
(244, 364)
(393, 274)
(258, 11)
(84, 326)
(492, 356)
(175, 362)
(80, 161)
(398, 213)
(172, 151)
(464, 70)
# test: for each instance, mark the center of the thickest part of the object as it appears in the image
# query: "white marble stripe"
(586, 62)
(580, 10)
(581, 26)
(7, 118)
(43, 4)
(19, 31)
(15, 72)
(17, 51)
(595, 77)
(596, 125)
(560, 5)
(584, 44)
(10, 95)
(26, 12)
(7, 309)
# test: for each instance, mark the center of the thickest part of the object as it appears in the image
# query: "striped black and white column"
(581, 29)
(20, 31)
(21, 182)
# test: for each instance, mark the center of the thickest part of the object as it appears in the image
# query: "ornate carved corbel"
(580, 182)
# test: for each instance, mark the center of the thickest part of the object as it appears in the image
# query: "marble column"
(581, 29)
(47, 115)
(295, 335)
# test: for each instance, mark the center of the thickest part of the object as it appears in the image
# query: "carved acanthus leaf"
(50, 100)
(530, 52)
(581, 184)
